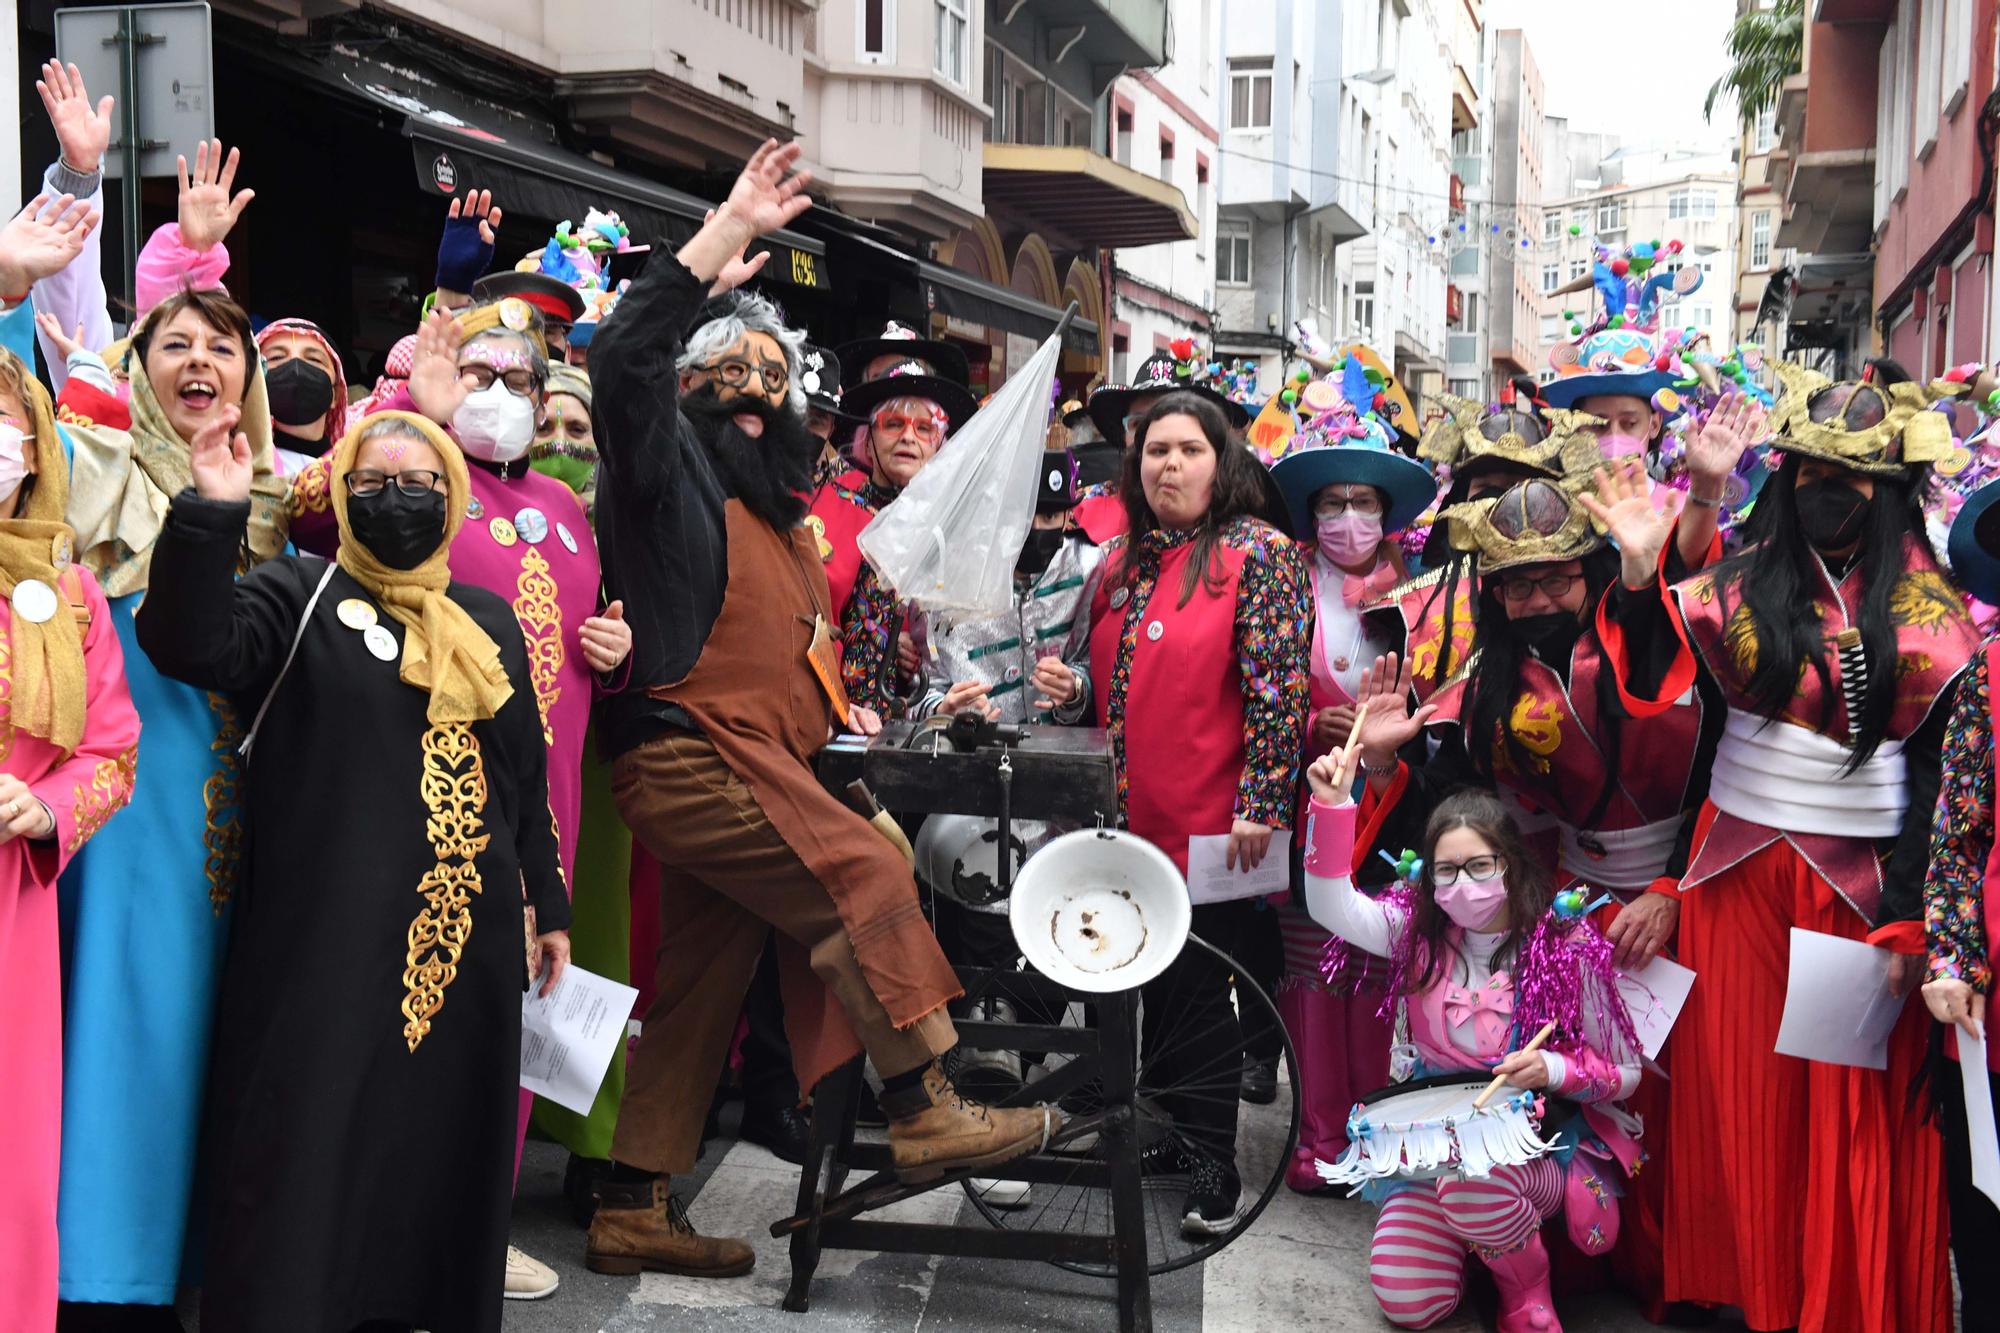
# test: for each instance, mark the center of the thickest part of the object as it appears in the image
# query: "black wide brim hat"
(946, 360)
(1158, 375)
(956, 400)
(820, 378)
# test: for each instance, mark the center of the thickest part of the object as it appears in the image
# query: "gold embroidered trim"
(453, 787)
(109, 790)
(541, 622)
(221, 796)
(310, 491)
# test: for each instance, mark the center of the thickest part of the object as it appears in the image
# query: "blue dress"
(145, 915)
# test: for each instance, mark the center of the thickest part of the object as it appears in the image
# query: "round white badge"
(474, 510)
(1155, 630)
(356, 614)
(564, 535)
(380, 642)
(1120, 597)
(532, 524)
(35, 601)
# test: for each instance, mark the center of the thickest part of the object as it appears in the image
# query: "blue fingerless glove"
(462, 256)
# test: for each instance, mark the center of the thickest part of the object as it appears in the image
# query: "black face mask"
(1038, 551)
(1831, 514)
(399, 530)
(300, 392)
(1551, 634)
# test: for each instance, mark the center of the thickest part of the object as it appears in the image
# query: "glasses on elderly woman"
(413, 482)
(735, 372)
(520, 381)
(924, 428)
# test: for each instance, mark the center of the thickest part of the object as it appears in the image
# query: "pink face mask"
(1621, 446)
(1472, 903)
(1349, 538)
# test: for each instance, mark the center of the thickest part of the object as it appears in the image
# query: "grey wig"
(750, 314)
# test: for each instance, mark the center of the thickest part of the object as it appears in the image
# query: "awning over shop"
(1084, 196)
(951, 292)
(548, 181)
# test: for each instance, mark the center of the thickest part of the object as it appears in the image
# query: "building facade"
(1514, 294)
(1468, 370)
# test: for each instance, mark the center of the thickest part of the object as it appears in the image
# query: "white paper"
(1211, 881)
(568, 1035)
(1838, 1009)
(1984, 1135)
(1654, 995)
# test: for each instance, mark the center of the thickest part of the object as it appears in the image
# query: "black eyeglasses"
(1479, 870)
(735, 372)
(1520, 590)
(413, 482)
(520, 381)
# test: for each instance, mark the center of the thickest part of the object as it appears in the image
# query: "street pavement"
(1300, 1267)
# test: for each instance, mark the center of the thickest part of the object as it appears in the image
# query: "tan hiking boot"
(640, 1226)
(933, 1130)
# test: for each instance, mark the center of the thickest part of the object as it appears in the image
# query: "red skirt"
(1808, 1194)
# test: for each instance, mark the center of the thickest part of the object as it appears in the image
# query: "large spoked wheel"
(1190, 1072)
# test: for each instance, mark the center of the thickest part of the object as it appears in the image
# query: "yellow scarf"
(46, 660)
(444, 649)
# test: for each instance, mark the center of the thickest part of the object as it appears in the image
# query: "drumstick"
(1548, 1030)
(1346, 771)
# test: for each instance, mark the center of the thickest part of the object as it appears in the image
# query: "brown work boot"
(933, 1130)
(640, 1226)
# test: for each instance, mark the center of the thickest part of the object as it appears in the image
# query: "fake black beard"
(768, 472)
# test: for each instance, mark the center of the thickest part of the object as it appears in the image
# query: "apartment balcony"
(1110, 35)
(1828, 117)
(897, 145)
(1080, 198)
(1464, 100)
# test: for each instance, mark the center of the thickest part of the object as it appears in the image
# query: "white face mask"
(13, 458)
(495, 424)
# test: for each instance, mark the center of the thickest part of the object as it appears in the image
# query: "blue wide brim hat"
(1569, 390)
(1974, 544)
(1304, 473)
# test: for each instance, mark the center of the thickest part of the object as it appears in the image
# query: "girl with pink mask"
(1481, 952)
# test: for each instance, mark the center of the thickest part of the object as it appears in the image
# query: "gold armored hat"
(1536, 522)
(1468, 434)
(1861, 425)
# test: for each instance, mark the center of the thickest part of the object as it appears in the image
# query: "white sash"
(1788, 778)
(1629, 859)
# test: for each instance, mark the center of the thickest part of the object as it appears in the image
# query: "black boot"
(785, 1130)
(580, 1181)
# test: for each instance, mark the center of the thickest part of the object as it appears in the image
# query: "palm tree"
(1765, 48)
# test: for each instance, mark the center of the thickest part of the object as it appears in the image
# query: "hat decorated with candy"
(1341, 443)
(1864, 426)
(1621, 352)
(1179, 367)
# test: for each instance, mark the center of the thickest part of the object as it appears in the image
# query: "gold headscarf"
(48, 692)
(121, 484)
(444, 650)
(508, 312)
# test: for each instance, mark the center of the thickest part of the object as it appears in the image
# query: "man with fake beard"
(703, 456)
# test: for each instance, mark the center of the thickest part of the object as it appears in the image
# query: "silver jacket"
(1051, 618)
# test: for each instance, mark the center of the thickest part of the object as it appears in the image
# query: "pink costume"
(526, 539)
(1342, 1047)
(82, 790)
(1466, 1020)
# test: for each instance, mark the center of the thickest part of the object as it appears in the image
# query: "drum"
(1427, 1128)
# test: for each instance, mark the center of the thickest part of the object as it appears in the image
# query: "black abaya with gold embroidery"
(360, 1139)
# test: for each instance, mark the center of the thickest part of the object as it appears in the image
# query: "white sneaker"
(1001, 1193)
(528, 1278)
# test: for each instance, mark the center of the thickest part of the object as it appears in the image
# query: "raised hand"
(207, 211)
(219, 457)
(434, 381)
(736, 270)
(465, 249)
(39, 241)
(1736, 423)
(82, 133)
(1384, 691)
(1624, 507)
(766, 196)
(52, 329)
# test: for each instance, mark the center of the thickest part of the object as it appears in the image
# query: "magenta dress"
(81, 790)
(527, 539)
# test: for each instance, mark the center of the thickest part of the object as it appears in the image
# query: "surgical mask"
(13, 458)
(399, 530)
(1038, 551)
(1349, 538)
(1831, 514)
(1621, 446)
(495, 424)
(300, 392)
(1473, 904)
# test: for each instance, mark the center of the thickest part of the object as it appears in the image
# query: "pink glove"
(1582, 1075)
(167, 264)
(1330, 839)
